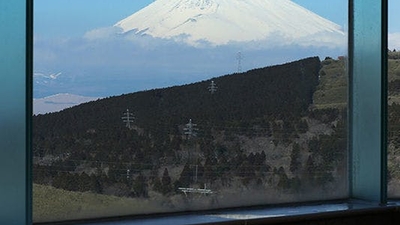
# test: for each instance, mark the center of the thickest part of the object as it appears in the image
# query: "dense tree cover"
(393, 120)
(394, 141)
(394, 87)
(88, 147)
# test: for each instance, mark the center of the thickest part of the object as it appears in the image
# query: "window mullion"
(367, 103)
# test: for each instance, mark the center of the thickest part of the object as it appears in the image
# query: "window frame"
(367, 115)
(16, 69)
(368, 99)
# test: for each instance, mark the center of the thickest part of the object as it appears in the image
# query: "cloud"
(106, 62)
(394, 41)
(102, 33)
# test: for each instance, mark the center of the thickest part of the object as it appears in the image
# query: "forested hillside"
(256, 131)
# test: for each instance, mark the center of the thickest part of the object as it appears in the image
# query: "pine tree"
(166, 182)
(186, 176)
(295, 158)
(140, 186)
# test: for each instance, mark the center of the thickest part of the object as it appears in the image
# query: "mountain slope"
(222, 21)
(257, 132)
(271, 93)
(268, 102)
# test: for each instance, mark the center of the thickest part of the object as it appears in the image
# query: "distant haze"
(58, 102)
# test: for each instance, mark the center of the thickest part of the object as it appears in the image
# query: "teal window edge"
(15, 112)
(368, 99)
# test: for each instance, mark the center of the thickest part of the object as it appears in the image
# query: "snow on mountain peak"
(196, 4)
(222, 21)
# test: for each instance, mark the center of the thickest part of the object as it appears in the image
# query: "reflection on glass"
(393, 102)
(190, 105)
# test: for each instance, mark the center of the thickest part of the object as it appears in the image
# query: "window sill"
(355, 210)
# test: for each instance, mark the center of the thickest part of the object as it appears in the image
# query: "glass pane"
(393, 101)
(165, 106)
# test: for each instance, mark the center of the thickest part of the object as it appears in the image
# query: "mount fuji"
(220, 22)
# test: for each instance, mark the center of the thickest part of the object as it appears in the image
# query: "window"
(364, 183)
(221, 124)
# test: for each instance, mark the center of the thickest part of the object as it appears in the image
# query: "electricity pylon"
(190, 129)
(128, 118)
(213, 87)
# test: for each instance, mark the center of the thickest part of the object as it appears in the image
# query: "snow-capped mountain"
(219, 22)
(58, 102)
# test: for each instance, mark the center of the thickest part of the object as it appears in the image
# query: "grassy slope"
(394, 73)
(331, 92)
(332, 89)
(51, 204)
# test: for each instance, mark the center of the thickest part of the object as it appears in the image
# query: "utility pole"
(213, 87)
(195, 176)
(190, 130)
(302, 70)
(239, 58)
(128, 118)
